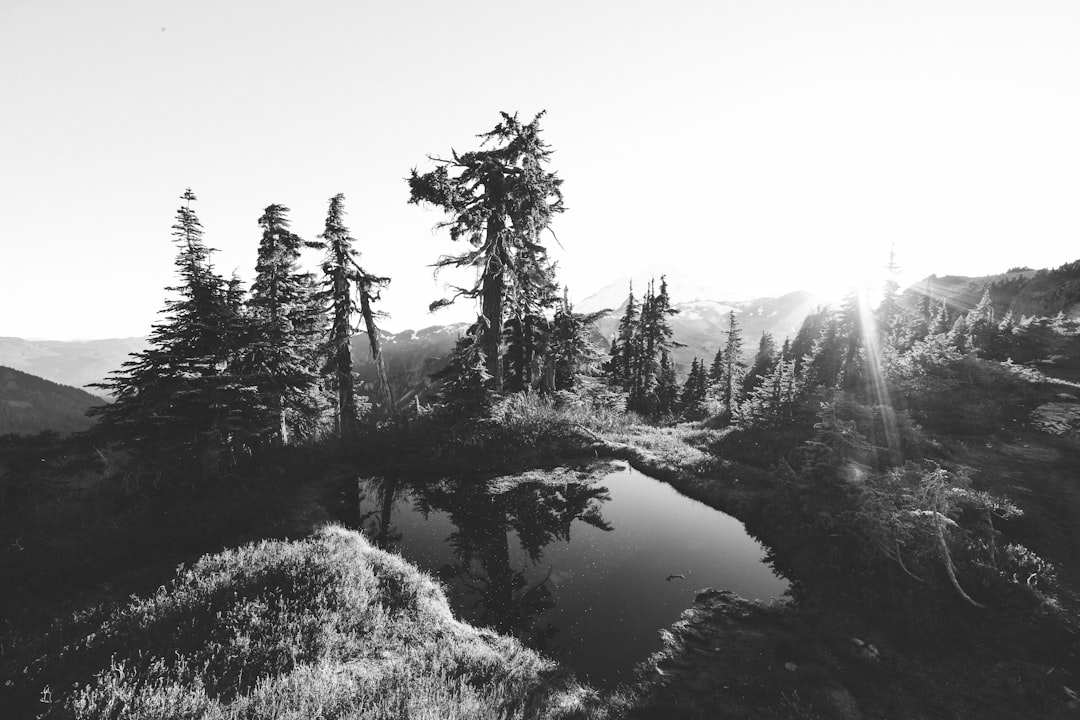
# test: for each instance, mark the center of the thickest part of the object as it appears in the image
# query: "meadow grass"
(326, 627)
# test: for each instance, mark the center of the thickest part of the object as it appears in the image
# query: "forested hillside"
(30, 404)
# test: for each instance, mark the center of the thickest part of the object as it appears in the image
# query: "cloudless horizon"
(760, 147)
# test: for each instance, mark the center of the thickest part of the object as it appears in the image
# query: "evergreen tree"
(764, 361)
(499, 200)
(960, 335)
(465, 377)
(652, 378)
(981, 326)
(527, 330)
(572, 354)
(178, 410)
(851, 329)
(716, 370)
(809, 332)
(889, 310)
(734, 369)
(941, 322)
(339, 274)
(772, 399)
(622, 351)
(667, 387)
(281, 348)
(347, 282)
(695, 391)
(923, 317)
(645, 364)
(823, 364)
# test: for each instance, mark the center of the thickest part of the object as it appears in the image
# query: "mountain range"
(699, 327)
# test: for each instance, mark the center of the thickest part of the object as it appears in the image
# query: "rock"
(1061, 418)
(865, 651)
(790, 666)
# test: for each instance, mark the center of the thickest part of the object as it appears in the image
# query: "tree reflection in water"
(493, 591)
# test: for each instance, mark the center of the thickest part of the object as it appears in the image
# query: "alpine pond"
(587, 565)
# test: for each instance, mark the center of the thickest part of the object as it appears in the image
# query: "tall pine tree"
(338, 272)
(499, 199)
(733, 369)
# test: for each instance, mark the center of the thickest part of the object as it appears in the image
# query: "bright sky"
(764, 146)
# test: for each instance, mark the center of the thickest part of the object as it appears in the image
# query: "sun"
(862, 271)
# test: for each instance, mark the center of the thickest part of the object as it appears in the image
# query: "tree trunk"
(346, 395)
(376, 351)
(493, 282)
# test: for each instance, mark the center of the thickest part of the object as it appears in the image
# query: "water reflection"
(587, 566)
(491, 589)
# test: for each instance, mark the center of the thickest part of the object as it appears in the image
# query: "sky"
(761, 146)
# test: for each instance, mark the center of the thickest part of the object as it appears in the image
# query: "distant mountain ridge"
(1023, 291)
(411, 357)
(76, 363)
(700, 326)
(30, 404)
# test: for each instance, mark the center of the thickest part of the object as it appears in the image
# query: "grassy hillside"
(328, 627)
(30, 404)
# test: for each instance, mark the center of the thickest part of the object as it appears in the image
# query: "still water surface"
(575, 563)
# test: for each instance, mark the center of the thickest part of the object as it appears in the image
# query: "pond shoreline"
(823, 655)
(589, 561)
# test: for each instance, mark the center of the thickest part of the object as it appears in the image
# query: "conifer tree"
(806, 338)
(941, 322)
(499, 199)
(716, 370)
(852, 327)
(281, 350)
(733, 369)
(772, 399)
(652, 343)
(178, 409)
(572, 353)
(923, 317)
(960, 335)
(764, 361)
(527, 329)
(338, 270)
(889, 309)
(824, 363)
(622, 350)
(465, 377)
(982, 328)
(645, 364)
(695, 391)
(667, 388)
